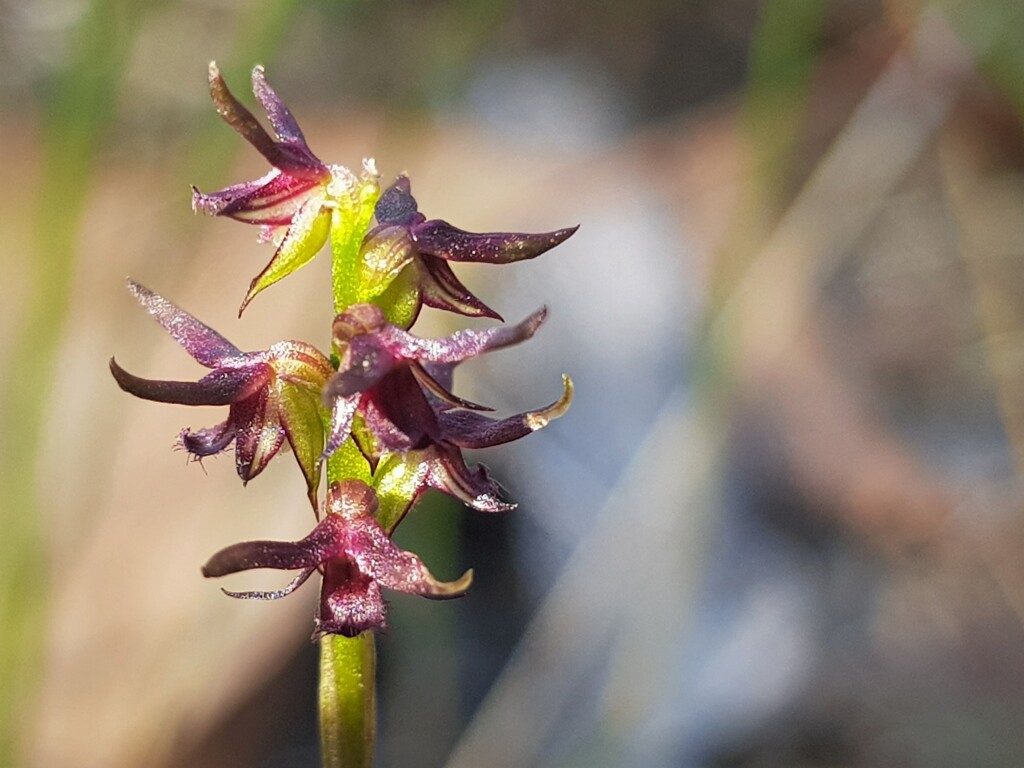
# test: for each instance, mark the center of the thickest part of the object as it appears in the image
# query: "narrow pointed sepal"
(439, 238)
(207, 346)
(289, 152)
(304, 239)
(222, 387)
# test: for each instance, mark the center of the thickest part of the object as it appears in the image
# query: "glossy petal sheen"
(461, 345)
(441, 239)
(207, 346)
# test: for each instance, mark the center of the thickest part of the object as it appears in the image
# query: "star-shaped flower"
(273, 395)
(357, 559)
(405, 238)
(399, 385)
(301, 196)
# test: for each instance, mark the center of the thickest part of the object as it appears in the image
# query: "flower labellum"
(356, 556)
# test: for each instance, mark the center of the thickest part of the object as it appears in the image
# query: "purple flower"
(357, 559)
(399, 387)
(297, 197)
(273, 395)
(405, 237)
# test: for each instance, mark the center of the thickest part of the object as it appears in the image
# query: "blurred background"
(781, 526)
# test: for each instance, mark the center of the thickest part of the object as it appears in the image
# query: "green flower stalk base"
(348, 702)
(376, 414)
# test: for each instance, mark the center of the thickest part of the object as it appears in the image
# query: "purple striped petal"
(378, 557)
(441, 289)
(434, 387)
(448, 473)
(258, 433)
(271, 201)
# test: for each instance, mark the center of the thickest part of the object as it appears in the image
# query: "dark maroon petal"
(461, 345)
(399, 414)
(396, 205)
(276, 594)
(324, 543)
(207, 346)
(467, 429)
(441, 239)
(381, 435)
(441, 289)
(350, 602)
(207, 442)
(365, 363)
(222, 387)
(280, 117)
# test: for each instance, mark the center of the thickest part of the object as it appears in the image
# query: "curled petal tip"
(540, 419)
(446, 590)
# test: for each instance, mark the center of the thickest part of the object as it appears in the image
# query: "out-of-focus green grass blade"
(994, 30)
(783, 54)
(78, 105)
(782, 58)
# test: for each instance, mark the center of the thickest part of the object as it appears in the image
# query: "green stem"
(348, 705)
